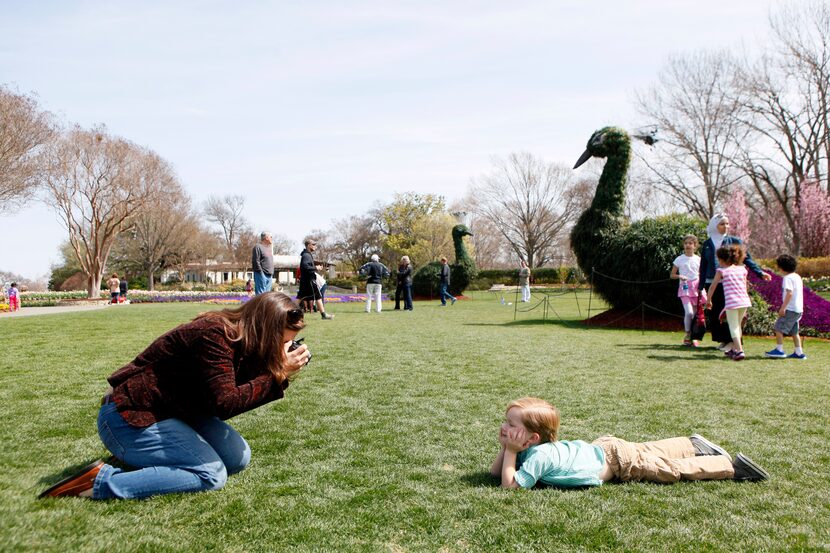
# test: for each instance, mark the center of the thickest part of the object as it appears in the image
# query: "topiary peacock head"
(605, 142)
(630, 264)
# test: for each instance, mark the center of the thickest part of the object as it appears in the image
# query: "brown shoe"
(73, 485)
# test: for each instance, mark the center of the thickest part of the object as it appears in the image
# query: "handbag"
(699, 324)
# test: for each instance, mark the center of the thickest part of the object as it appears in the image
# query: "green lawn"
(383, 443)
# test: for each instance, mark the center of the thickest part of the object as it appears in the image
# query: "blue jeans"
(407, 296)
(262, 283)
(170, 456)
(444, 294)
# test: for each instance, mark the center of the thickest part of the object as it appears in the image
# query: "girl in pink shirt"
(732, 275)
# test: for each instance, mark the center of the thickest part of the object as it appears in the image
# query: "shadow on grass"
(535, 322)
(56, 477)
(480, 479)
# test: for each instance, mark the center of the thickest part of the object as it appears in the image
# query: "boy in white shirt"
(792, 308)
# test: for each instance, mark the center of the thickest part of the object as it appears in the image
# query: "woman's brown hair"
(259, 325)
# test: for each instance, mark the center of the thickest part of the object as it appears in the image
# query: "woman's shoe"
(76, 484)
(738, 356)
(687, 342)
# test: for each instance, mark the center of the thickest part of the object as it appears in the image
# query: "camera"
(297, 343)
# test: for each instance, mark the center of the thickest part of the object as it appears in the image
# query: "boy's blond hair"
(538, 416)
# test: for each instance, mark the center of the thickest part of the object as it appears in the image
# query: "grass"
(384, 441)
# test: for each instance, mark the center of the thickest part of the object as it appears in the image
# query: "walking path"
(27, 311)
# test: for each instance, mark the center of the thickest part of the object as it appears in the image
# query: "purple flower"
(816, 308)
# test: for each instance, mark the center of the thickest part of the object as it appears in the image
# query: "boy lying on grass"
(531, 454)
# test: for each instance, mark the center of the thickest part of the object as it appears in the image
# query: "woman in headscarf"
(718, 231)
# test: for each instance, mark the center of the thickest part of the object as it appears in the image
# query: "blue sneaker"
(776, 354)
(797, 356)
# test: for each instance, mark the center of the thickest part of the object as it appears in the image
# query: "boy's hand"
(782, 311)
(516, 439)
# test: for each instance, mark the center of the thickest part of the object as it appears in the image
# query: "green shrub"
(638, 260)
(759, 318)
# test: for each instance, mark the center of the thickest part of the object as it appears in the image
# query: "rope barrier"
(609, 277)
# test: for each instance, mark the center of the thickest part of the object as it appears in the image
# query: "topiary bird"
(463, 271)
(630, 262)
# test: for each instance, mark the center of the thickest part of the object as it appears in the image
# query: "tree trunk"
(93, 290)
(150, 280)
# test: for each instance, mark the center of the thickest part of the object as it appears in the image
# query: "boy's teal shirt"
(563, 464)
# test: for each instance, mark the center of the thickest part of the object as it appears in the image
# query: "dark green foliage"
(612, 253)
(759, 318)
(426, 281)
(643, 252)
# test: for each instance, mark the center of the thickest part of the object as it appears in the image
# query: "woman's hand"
(708, 304)
(295, 360)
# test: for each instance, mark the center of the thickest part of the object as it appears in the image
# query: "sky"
(315, 111)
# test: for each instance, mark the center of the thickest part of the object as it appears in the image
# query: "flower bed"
(46, 299)
(816, 319)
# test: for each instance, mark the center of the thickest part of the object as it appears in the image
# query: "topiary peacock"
(618, 253)
(425, 281)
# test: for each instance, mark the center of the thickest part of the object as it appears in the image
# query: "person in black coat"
(404, 287)
(718, 231)
(309, 293)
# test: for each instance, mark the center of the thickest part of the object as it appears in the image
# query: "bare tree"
(25, 131)
(226, 213)
(695, 107)
(198, 246)
(281, 244)
(157, 233)
(530, 203)
(356, 240)
(98, 183)
(488, 244)
(802, 32)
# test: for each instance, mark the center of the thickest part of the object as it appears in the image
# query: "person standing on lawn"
(262, 261)
(686, 268)
(123, 286)
(531, 454)
(732, 274)
(445, 283)
(524, 281)
(164, 412)
(114, 285)
(404, 287)
(375, 272)
(791, 311)
(718, 231)
(309, 292)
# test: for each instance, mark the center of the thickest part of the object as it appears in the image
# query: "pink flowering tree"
(813, 224)
(735, 209)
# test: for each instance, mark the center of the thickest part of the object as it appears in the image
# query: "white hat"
(375, 257)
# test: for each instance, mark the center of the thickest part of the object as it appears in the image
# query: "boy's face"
(689, 245)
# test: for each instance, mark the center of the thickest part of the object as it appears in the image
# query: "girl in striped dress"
(732, 275)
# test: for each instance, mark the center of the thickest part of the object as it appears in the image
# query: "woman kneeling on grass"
(164, 411)
(531, 454)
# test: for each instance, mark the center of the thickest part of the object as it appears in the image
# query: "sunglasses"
(294, 315)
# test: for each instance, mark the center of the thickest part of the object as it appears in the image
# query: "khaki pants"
(665, 461)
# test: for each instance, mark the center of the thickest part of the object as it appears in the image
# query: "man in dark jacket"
(309, 292)
(375, 271)
(445, 283)
(262, 262)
